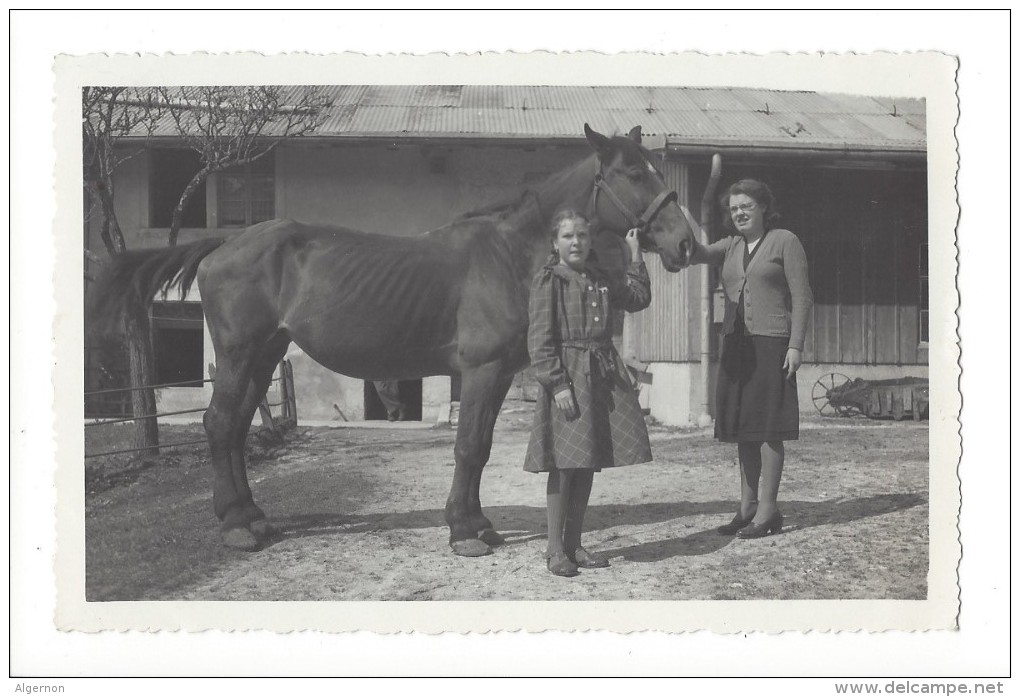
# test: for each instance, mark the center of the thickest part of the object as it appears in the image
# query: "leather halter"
(642, 222)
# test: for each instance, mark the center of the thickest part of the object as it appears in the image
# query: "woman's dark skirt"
(755, 401)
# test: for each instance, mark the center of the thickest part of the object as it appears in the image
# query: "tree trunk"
(177, 218)
(141, 362)
(140, 358)
(111, 233)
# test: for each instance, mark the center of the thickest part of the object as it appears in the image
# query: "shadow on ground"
(521, 524)
(798, 515)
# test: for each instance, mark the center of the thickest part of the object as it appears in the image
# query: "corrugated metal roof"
(769, 118)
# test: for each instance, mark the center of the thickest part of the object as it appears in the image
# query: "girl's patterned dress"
(570, 343)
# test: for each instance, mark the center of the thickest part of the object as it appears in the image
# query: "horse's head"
(630, 192)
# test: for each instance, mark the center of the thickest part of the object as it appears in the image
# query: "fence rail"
(287, 404)
(183, 383)
(138, 450)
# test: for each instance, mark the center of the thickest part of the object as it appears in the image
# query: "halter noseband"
(641, 222)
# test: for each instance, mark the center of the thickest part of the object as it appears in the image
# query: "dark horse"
(374, 307)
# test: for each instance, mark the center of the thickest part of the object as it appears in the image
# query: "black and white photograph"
(365, 273)
(507, 341)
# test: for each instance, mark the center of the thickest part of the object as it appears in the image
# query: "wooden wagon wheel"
(821, 391)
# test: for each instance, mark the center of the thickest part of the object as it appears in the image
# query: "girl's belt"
(602, 353)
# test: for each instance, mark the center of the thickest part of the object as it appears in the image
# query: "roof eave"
(392, 138)
(674, 147)
(906, 154)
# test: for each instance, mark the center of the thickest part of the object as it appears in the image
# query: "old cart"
(836, 394)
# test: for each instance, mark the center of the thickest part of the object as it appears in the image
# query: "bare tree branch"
(234, 126)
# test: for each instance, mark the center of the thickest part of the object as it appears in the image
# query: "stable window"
(922, 300)
(170, 171)
(246, 195)
(178, 340)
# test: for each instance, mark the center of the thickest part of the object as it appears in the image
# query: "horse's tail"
(136, 276)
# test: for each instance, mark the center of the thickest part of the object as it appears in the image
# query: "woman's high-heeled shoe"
(754, 530)
(734, 525)
(559, 564)
(586, 560)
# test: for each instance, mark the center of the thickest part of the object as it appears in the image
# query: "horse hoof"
(490, 537)
(239, 538)
(262, 530)
(470, 548)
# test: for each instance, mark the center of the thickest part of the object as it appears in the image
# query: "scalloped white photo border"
(927, 75)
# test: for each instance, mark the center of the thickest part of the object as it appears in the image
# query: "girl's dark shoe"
(734, 525)
(559, 564)
(586, 560)
(755, 530)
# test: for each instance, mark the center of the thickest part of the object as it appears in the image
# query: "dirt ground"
(361, 516)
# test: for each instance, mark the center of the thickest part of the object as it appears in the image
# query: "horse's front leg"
(481, 396)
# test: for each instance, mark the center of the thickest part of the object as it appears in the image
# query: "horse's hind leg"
(262, 376)
(482, 525)
(222, 419)
(482, 390)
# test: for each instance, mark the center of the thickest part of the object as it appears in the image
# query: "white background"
(980, 648)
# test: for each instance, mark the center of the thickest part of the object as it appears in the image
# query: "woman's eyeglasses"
(743, 208)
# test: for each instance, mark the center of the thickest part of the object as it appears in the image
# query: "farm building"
(849, 174)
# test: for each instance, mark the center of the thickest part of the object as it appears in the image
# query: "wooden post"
(267, 414)
(291, 392)
(284, 393)
(140, 361)
(896, 403)
(707, 217)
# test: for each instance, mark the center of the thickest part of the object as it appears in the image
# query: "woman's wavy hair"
(761, 194)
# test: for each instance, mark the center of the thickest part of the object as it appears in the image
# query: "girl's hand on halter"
(632, 243)
(565, 403)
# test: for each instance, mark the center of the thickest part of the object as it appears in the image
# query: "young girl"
(587, 416)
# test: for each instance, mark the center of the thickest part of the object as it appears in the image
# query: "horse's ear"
(599, 143)
(635, 134)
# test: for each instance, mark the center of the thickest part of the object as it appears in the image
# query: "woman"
(765, 280)
(587, 416)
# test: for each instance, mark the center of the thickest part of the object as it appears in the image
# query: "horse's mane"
(631, 152)
(528, 211)
(500, 210)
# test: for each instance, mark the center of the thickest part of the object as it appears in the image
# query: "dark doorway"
(410, 398)
(178, 341)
